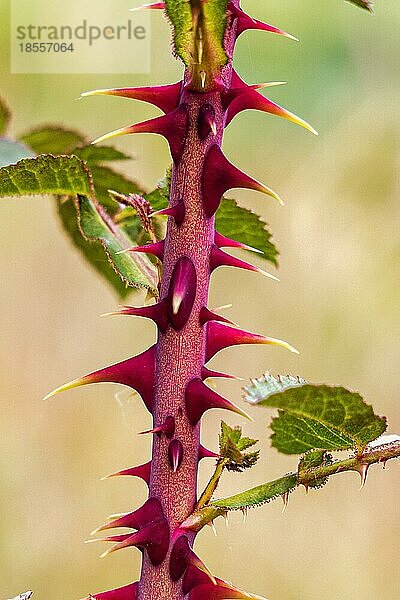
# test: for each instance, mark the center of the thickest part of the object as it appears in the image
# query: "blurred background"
(338, 302)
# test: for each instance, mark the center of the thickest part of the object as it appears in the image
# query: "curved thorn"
(224, 242)
(165, 97)
(200, 398)
(221, 336)
(136, 372)
(253, 100)
(141, 471)
(219, 258)
(219, 176)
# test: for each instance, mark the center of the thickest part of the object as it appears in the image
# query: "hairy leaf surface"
(315, 417)
(61, 175)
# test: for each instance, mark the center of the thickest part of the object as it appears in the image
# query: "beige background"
(338, 301)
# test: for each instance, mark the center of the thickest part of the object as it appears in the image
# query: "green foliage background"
(338, 302)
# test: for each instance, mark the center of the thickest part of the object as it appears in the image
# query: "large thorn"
(245, 22)
(172, 126)
(141, 471)
(165, 97)
(219, 258)
(136, 372)
(175, 454)
(149, 512)
(200, 398)
(219, 176)
(220, 336)
(224, 242)
(182, 292)
(128, 592)
(182, 555)
(177, 212)
(156, 249)
(155, 312)
(253, 100)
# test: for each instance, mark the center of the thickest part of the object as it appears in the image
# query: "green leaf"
(93, 252)
(363, 4)
(11, 152)
(61, 175)
(267, 384)
(246, 227)
(198, 33)
(136, 271)
(232, 446)
(52, 139)
(258, 495)
(93, 154)
(5, 117)
(315, 417)
(69, 176)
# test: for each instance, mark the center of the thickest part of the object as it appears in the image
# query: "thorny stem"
(289, 482)
(356, 463)
(181, 354)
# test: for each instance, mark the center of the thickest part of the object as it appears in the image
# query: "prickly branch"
(170, 376)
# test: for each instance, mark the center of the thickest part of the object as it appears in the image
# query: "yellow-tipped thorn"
(266, 274)
(99, 92)
(269, 84)
(251, 249)
(108, 551)
(242, 413)
(282, 344)
(67, 386)
(110, 135)
(97, 530)
(299, 121)
(291, 37)
(266, 190)
(111, 314)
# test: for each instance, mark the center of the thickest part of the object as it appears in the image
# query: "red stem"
(181, 354)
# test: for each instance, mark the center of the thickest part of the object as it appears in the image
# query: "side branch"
(283, 486)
